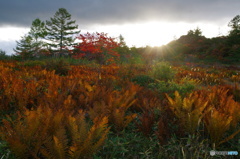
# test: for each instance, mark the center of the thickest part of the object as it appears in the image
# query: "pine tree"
(37, 33)
(235, 24)
(25, 47)
(37, 30)
(3, 55)
(234, 34)
(2, 52)
(123, 50)
(60, 30)
(32, 43)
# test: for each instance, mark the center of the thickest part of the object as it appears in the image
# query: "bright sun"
(153, 33)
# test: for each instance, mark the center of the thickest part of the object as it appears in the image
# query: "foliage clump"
(162, 71)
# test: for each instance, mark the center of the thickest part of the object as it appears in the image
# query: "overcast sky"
(118, 15)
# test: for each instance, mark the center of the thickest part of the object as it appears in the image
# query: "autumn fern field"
(60, 109)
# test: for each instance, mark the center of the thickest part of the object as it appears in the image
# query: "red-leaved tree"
(97, 46)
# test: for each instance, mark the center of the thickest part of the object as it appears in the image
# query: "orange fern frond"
(189, 110)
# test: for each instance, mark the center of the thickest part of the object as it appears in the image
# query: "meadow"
(61, 109)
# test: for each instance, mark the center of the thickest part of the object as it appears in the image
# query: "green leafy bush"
(162, 71)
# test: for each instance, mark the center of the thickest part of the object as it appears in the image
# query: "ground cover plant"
(91, 110)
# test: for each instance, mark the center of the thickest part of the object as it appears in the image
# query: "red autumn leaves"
(97, 46)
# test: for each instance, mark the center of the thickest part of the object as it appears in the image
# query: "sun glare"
(145, 33)
(156, 33)
(141, 34)
(153, 33)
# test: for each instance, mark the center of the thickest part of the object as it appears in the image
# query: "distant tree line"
(195, 46)
(221, 48)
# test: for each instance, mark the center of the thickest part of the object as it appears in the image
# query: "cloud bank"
(88, 12)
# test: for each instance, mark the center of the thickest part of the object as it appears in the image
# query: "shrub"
(4, 56)
(162, 71)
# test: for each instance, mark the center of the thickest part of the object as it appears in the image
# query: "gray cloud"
(88, 12)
